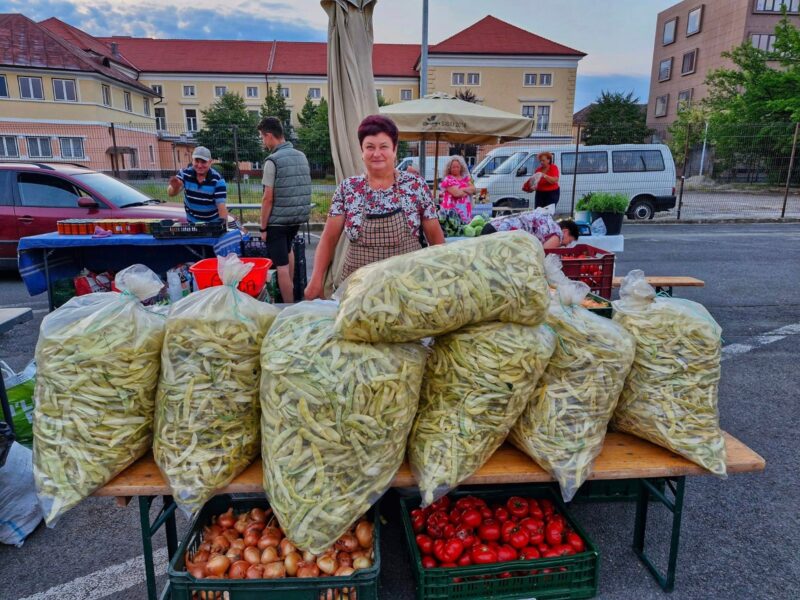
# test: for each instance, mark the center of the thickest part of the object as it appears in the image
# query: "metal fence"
(699, 172)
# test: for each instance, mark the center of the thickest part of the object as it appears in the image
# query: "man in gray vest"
(286, 203)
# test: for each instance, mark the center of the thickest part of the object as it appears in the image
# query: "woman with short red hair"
(547, 189)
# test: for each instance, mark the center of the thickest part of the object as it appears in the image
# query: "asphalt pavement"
(739, 535)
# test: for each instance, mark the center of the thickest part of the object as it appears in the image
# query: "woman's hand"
(314, 290)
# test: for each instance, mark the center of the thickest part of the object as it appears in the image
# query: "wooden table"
(665, 282)
(658, 472)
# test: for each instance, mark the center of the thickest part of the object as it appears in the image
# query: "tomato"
(547, 506)
(534, 510)
(565, 550)
(448, 531)
(537, 537)
(543, 547)
(448, 565)
(553, 533)
(501, 514)
(465, 503)
(486, 512)
(436, 522)
(516, 536)
(425, 543)
(464, 560)
(574, 540)
(449, 551)
(428, 562)
(442, 503)
(506, 553)
(471, 518)
(504, 575)
(483, 555)
(418, 523)
(489, 530)
(466, 537)
(552, 553)
(518, 507)
(529, 553)
(455, 516)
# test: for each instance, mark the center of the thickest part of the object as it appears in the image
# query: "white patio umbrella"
(442, 117)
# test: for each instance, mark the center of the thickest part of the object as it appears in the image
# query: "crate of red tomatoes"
(593, 266)
(510, 542)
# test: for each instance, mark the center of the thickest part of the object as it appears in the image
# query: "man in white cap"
(205, 191)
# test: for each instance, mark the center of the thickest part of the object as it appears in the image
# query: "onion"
(344, 559)
(343, 571)
(251, 539)
(209, 533)
(256, 528)
(309, 557)
(269, 555)
(362, 562)
(226, 520)
(286, 547)
(307, 569)
(217, 565)
(291, 561)
(259, 515)
(197, 571)
(364, 534)
(220, 543)
(241, 524)
(359, 553)
(255, 572)
(252, 555)
(348, 542)
(275, 570)
(270, 537)
(231, 534)
(238, 544)
(327, 564)
(234, 554)
(239, 569)
(206, 546)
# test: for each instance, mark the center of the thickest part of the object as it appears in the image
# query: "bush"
(599, 202)
(584, 203)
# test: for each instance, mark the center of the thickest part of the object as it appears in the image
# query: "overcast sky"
(617, 35)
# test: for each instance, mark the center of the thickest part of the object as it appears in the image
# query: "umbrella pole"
(436, 169)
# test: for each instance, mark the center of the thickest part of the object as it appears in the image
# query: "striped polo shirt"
(201, 199)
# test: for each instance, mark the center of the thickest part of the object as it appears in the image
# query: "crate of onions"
(236, 550)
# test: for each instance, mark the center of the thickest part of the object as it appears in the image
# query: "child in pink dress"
(457, 189)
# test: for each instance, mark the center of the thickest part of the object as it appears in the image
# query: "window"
(128, 104)
(36, 189)
(220, 90)
(689, 62)
(543, 118)
(546, 79)
(314, 93)
(473, 78)
(529, 79)
(684, 99)
(3, 87)
(457, 79)
(152, 153)
(106, 95)
(588, 162)
(668, 35)
(405, 95)
(285, 92)
(64, 90)
(661, 105)
(528, 111)
(665, 69)
(8, 146)
(157, 89)
(776, 6)
(39, 147)
(146, 106)
(71, 147)
(191, 119)
(637, 161)
(31, 88)
(161, 119)
(695, 21)
(252, 91)
(189, 91)
(763, 41)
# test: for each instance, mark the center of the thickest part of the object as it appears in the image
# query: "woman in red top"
(547, 190)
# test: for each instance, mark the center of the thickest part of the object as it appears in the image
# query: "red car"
(35, 196)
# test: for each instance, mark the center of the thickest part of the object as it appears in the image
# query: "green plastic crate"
(614, 490)
(570, 577)
(606, 312)
(362, 585)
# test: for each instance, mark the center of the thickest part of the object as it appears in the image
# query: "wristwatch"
(262, 229)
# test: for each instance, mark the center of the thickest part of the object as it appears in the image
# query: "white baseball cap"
(202, 153)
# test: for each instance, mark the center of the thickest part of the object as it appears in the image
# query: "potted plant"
(611, 208)
(582, 211)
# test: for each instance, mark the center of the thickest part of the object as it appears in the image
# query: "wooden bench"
(662, 282)
(623, 457)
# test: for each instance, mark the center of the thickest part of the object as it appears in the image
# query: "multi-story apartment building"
(690, 39)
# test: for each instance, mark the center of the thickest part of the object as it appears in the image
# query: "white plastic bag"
(98, 362)
(206, 423)
(335, 416)
(599, 227)
(670, 396)
(478, 380)
(19, 509)
(564, 425)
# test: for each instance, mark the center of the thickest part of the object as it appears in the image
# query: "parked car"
(643, 172)
(35, 196)
(491, 162)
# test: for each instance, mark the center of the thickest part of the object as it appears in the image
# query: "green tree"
(229, 111)
(690, 124)
(314, 137)
(307, 113)
(616, 118)
(275, 106)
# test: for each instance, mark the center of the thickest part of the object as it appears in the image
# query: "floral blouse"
(463, 206)
(409, 193)
(535, 222)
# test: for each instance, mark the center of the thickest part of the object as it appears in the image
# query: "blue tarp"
(68, 254)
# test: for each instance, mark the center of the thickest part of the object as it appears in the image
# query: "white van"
(643, 172)
(491, 161)
(429, 163)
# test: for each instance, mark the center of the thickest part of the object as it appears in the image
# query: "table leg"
(676, 486)
(166, 517)
(47, 280)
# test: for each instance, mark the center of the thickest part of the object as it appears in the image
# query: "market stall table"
(623, 457)
(51, 256)
(662, 283)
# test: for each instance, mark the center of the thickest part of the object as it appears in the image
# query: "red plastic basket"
(206, 274)
(593, 266)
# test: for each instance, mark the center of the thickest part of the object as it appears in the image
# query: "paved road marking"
(757, 341)
(105, 582)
